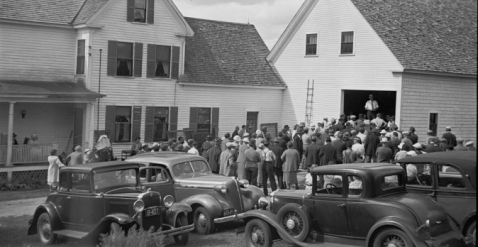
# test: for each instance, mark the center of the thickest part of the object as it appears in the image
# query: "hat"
(405, 133)
(429, 132)
(229, 144)
(417, 145)
(246, 140)
(155, 144)
(447, 128)
(258, 132)
(400, 145)
(412, 128)
(353, 117)
(389, 134)
(261, 145)
(468, 143)
(245, 134)
(234, 144)
(286, 126)
(383, 132)
(384, 139)
(237, 138)
(87, 150)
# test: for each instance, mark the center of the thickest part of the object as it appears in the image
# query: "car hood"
(423, 207)
(203, 180)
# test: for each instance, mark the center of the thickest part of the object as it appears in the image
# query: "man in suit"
(311, 153)
(298, 143)
(450, 137)
(327, 154)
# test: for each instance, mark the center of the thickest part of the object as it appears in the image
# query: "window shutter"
(149, 124)
(215, 121)
(151, 63)
(193, 119)
(130, 11)
(150, 15)
(136, 122)
(138, 59)
(110, 121)
(112, 58)
(175, 63)
(173, 120)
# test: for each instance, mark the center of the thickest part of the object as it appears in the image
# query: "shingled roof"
(63, 12)
(432, 35)
(227, 53)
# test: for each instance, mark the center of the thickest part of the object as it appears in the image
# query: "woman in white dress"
(54, 170)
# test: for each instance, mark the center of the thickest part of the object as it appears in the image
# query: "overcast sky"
(270, 17)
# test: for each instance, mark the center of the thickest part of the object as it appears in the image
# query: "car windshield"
(189, 169)
(120, 178)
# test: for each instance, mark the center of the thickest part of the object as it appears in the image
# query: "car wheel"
(44, 229)
(392, 237)
(181, 239)
(471, 231)
(258, 234)
(203, 221)
(295, 220)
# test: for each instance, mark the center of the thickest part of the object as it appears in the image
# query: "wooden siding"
(37, 53)
(370, 68)
(454, 99)
(52, 123)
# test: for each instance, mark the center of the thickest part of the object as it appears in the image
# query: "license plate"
(152, 211)
(228, 212)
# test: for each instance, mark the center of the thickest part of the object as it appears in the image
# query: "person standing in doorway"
(372, 107)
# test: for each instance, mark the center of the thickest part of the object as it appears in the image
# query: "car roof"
(100, 166)
(358, 167)
(466, 160)
(165, 158)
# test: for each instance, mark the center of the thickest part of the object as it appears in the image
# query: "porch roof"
(35, 91)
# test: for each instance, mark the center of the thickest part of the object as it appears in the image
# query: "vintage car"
(449, 178)
(188, 178)
(352, 204)
(98, 198)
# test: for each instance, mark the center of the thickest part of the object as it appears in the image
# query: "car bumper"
(177, 231)
(229, 218)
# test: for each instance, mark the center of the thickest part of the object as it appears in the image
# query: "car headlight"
(263, 202)
(223, 189)
(138, 206)
(168, 201)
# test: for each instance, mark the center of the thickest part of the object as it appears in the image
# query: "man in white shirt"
(358, 148)
(194, 149)
(372, 107)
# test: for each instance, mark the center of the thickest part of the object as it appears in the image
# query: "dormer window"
(140, 11)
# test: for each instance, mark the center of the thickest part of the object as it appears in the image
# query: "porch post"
(10, 135)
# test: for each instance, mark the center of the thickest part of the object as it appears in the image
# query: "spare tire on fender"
(295, 220)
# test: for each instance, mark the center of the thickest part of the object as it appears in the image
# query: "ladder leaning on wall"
(309, 103)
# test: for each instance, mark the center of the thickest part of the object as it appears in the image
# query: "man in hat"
(269, 159)
(470, 145)
(371, 106)
(298, 143)
(278, 150)
(311, 153)
(406, 140)
(207, 145)
(384, 153)
(225, 139)
(413, 137)
(459, 145)
(236, 131)
(450, 137)
(371, 144)
(226, 160)
(241, 158)
(434, 146)
(418, 148)
(213, 156)
(327, 153)
(136, 146)
(252, 160)
(339, 146)
(76, 158)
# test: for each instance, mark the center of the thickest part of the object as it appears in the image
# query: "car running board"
(71, 233)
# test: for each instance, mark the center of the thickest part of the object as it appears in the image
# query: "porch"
(27, 154)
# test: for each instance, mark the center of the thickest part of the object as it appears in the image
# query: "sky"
(270, 17)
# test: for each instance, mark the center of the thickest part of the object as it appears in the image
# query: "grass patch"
(24, 194)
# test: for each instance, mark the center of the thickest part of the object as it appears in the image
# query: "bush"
(134, 238)
(21, 183)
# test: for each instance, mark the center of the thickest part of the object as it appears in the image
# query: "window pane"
(391, 181)
(330, 184)
(347, 37)
(139, 15)
(140, 4)
(200, 166)
(81, 47)
(419, 174)
(311, 39)
(80, 65)
(125, 50)
(161, 125)
(204, 120)
(124, 67)
(311, 50)
(163, 53)
(355, 186)
(123, 124)
(347, 49)
(162, 69)
(450, 177)
(80, 182)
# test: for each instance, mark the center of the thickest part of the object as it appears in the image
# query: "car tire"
(45, 230)
(471, 231)
(392, 236)
(181, 239)
(203, 221)
(295, 220)
(258, 234)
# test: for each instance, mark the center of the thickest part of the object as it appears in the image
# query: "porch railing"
(25, 154)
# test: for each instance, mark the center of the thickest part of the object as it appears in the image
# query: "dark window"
(433, 123)
(80, 57)
(163, 61)
(204, 120)
(122, 124)
(139, 11)
(161, 123)
(311, 44)
(125, 59)
(347, 44)
(450, 177)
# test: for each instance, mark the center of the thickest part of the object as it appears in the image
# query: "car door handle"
(341, 205)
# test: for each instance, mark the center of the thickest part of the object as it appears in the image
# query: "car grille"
(152, 199)
(234, 195)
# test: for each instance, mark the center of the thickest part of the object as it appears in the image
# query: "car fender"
(176, 209)
(466, 220)
(398, 223)
(54, 217)
(211, 204)
(270, 218)
(124, 220)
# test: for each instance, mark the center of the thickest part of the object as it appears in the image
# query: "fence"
(27, 154)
